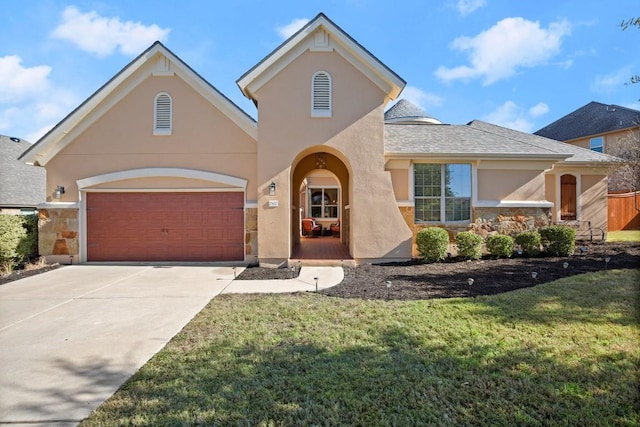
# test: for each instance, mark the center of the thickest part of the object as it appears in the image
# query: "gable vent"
(162, 114)
(321, 95)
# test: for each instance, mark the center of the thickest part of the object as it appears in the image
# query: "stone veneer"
(58, 232)
(485, 221)
(251, 234)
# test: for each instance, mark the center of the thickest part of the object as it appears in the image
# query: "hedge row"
(553, 240)
(18, 239)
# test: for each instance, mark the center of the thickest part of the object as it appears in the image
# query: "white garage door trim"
(85, 183)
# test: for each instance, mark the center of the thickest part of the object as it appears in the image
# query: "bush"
(500, 245)
(18, 238)
(558, 240)
(469, 245)
(529, 242)
(432, 243)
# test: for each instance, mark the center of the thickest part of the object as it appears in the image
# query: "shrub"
(529, 242)
(558, 240)
(18, 238)
(432, 243)
(500, 245)
(469, 245)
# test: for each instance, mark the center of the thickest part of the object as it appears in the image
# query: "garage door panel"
(165, 226)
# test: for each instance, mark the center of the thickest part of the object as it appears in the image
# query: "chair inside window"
(335, 229)
(310, 228)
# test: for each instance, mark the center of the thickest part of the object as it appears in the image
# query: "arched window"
(162, 120)
(568, 205)
(321, 94)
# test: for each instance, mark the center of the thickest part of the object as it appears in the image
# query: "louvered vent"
(321, 94)
(163, 114)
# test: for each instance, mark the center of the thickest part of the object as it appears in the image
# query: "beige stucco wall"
(354, 133)
(203, 139)
(511, 185)
(594, 200)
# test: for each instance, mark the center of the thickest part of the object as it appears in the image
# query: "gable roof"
(481, 140)
(406, 112)
(21, 185)
(321, 34)
(592, 119)
(156, 60)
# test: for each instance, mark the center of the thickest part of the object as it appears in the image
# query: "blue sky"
(519, 64)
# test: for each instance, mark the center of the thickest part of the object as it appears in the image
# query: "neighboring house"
(159, 165)
(22, 187)
(603, 128)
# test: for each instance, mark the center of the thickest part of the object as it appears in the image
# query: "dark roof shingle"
(21, 185)
(594, 118)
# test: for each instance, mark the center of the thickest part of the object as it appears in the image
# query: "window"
(324, 202)
(162, 114)
(442, 192)
(597, 144)
(321, 95)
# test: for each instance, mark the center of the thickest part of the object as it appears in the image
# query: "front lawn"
(561, 353)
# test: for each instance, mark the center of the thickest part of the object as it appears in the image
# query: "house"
(603, 128)
(159, 165)
(22, 187)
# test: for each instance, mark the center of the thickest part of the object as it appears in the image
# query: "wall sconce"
(272, 189)
(59, 192)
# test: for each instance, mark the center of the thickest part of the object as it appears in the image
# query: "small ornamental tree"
(469, 245)
(432, 244)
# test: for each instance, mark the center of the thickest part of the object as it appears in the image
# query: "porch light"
(59, 192)
(272, 189)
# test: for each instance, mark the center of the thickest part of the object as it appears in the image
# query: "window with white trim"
(442, 192)
(597, 144)
(321, 94)
(324, 202)
(162, 114)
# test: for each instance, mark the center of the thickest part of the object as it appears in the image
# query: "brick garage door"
(165, 226)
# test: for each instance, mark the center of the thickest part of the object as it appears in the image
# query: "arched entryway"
(320, 191)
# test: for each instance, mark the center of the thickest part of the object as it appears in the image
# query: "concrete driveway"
(70, 337)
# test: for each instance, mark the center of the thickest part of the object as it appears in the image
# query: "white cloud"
(612, 81)
(513, 116)
(103, 36)
(421, 98)
(18, 82)
(500, 51)
(540, 109)
(291, 28)
(29, 100)
(465, 7)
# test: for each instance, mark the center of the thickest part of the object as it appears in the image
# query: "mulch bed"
(450, 278)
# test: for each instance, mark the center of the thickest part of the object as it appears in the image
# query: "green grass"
(623, 236)
(562, 353)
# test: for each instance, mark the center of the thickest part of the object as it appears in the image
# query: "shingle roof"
(21, 185)
(405, 111)
(481, 140)
(592, 119)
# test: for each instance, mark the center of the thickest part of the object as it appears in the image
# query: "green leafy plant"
(18, 238)
(469, 245)
(529, 242)
(500, 245)
(558, 240)
(432, 243)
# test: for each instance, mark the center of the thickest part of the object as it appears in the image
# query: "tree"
(632, 22)
(626, 177)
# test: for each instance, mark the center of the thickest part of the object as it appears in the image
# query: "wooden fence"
(622, 211)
